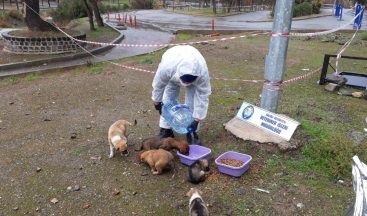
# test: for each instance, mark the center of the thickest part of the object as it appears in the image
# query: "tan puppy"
(166, 144)
(117, 137)
(158, 160)
(197, 206)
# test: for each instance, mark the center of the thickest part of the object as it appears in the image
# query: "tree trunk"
(90, 15)
(49, 4)
(3, 4)
(16, 3)
(32, 18)
(214, 6)
(96, 12)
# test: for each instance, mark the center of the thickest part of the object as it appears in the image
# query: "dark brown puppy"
(166, 144)
(158, 160)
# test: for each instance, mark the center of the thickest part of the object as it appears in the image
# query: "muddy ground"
(54, 127)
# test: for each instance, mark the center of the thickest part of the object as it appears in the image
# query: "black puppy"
(198, 171)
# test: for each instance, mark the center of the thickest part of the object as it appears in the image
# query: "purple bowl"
(196, 152)
(230, 170)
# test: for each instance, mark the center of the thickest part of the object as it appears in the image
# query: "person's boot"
(193, 138)
(164, 133)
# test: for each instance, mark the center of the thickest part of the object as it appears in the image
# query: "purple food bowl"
(230, 170)
(196, 152)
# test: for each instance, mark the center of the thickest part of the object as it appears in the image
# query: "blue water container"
(178, 116)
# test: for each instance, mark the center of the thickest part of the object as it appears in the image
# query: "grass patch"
(115, 3)
(315, 131)
(12, 80)
(151, 58)
(32, 76)
(226, 100)
(363, 36)
(328, 153)
(271, 165)
(147, 59)
(184, 37)
(96, 68)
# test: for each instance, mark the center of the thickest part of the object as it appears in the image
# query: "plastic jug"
(178, 116)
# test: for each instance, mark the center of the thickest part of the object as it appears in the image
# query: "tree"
(32, 18)
(90, 15)
(16, 3)
(214, 2)
(96, 12)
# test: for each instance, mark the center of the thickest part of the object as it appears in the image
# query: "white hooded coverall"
(178, 61)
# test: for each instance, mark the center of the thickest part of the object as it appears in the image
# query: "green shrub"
(142, 4)
(7, 18)
(303, 9)
(104, 8)
(4, 21)
(316, 5)
(69, 10)
(15, 15)
(306, 7)
(4, 24)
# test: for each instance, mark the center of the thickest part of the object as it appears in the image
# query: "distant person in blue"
(182, 66)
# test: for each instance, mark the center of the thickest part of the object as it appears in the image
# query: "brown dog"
(157, 159)
(117, 137)
(166, 144)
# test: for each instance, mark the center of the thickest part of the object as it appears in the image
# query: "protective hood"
(187, 67)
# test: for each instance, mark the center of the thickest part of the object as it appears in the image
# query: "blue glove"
(193, 126)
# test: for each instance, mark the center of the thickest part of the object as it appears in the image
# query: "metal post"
(276, 58)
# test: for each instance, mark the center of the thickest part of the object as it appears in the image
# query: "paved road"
(245, 21)
(131, 36)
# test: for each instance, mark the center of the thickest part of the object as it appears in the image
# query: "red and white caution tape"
(317, 70)
(342, 49)
(167, 44)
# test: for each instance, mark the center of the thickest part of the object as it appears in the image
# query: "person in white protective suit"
(182, 66)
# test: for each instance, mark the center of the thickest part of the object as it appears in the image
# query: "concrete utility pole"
(275, 60)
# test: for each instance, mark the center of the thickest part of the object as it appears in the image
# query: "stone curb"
(95, 51)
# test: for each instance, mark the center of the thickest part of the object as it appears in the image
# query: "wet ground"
(243, 21)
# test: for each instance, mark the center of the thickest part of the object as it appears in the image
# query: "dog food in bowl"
(231, 162)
